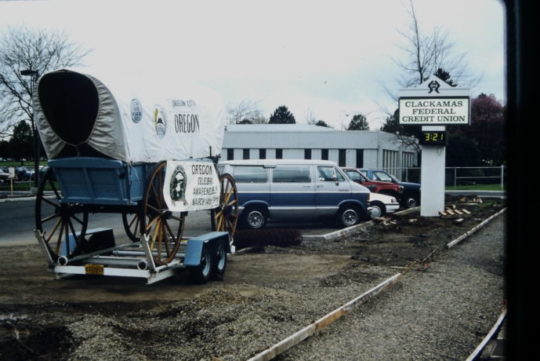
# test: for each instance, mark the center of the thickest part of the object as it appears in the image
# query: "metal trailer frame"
(135, 259)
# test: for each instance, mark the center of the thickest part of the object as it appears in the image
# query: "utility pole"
(34, 75)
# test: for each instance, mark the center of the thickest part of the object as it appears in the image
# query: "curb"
(331, 236)
(321, 323)
(474, 229)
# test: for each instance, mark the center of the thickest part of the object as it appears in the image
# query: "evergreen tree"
(358, 122)
(282, 115)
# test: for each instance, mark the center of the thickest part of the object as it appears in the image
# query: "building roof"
(277, 128)
(274, 162)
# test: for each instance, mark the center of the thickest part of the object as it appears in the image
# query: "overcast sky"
(322, 59)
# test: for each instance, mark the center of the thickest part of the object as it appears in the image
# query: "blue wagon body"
(100, 181)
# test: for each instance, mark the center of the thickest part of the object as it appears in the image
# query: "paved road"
(17, 222)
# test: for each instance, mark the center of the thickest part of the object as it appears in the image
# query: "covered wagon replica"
(148, 156)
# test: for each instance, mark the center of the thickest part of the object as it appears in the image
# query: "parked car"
(411, 191)
(4, 175)
(388, 188)
(382, 204)
(23, 173)
(289, 189)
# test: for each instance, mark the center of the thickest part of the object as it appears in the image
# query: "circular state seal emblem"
(136, 110)
(178, 185)
(160, 122)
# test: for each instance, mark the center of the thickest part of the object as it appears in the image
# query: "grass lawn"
(476, 187)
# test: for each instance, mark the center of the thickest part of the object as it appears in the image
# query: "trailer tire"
(219, 263)
(201, 274)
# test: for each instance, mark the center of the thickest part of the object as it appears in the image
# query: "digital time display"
(433, 138)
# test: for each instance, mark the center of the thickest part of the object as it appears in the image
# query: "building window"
(245, 154)
(324, 154)
(359, 158)
(230, 154)
(279, 153)
(342, 158)
(307, 153)
(262, 153)
(390, 161)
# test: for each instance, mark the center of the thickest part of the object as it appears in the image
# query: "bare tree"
(24, 55)
(247, 111)
(425, 54)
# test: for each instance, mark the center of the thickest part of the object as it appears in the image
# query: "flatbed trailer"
(203, 256)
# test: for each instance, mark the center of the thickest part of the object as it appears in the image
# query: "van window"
(294, 174)
(250, 174)
(329, 174)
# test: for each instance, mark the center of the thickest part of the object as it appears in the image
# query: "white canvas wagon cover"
(79, 115)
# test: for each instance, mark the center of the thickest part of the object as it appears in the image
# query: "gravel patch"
(440, 313)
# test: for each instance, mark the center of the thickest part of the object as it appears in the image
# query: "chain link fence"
(460, 177)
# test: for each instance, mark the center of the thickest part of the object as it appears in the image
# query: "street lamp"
(34, 74)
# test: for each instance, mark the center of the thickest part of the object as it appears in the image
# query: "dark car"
(411, 191)
(23, 173)
(388, 188)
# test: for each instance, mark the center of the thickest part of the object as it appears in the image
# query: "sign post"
(433, 105)
(11, 178)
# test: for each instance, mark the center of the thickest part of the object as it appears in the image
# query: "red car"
(391, 189)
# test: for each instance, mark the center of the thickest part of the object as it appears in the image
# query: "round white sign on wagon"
(191, 186)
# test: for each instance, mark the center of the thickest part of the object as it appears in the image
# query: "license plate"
(94, 269)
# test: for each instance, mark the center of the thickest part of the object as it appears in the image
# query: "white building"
(358, 149)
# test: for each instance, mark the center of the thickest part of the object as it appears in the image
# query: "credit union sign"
(434, 102)
(434, 111)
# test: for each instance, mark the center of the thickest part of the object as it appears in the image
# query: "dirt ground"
(266, 295)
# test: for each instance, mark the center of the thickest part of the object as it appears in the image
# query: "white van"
(292, 189)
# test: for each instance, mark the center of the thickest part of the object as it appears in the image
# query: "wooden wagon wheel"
(225, 217)
(132, 225)
(58, 221)
(163, 227)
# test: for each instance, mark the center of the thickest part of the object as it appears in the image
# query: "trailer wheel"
(219, 262)
(202, 273)
(225, 217)
(163, 228)
(59, 221)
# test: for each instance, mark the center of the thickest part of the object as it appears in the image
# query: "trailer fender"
(195, 246)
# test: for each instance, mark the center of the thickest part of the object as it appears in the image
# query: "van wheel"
(377, 209)
(348, 216)
(254, 218)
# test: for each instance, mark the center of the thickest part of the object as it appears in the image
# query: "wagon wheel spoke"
(132, 224)
(58, 221)
(226, 216)
(164, 230)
